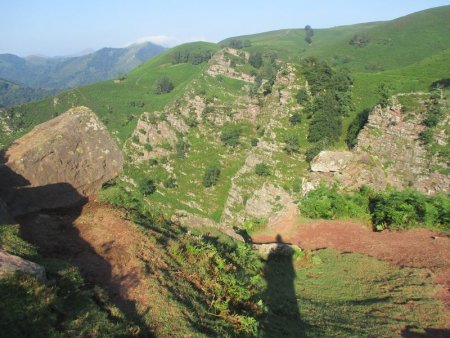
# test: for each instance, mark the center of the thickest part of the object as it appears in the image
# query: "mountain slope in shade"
(106, 63)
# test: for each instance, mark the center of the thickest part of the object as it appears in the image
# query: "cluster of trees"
(163, 86)
(331, 91)
(268, 68)
(239, 44)
(359, 40)
(256, 60)
(309, 33)
(187, 56)
(433, 115)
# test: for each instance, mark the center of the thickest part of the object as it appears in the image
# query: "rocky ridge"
(389, 153)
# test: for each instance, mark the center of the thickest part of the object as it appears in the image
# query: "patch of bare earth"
(110, 252)
(419, 248)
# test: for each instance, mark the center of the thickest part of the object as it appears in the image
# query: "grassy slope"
(113, 102)
(390, 46)
(408, 53)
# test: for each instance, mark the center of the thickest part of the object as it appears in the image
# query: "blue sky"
(62, 27)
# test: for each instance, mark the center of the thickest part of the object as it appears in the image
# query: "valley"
(282, 184)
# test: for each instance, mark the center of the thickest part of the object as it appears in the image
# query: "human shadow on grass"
(283, 317)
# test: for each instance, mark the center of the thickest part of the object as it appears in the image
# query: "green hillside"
(390, 43)
(119, 102)
(218, 142)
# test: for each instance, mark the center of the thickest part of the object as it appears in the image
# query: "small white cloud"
(163, 40)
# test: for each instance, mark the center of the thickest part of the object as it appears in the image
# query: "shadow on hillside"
(53, 232)
(283, 317)
(443, 83)
(408, 332)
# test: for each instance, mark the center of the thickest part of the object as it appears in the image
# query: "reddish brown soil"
(102, 244)
(415, 248)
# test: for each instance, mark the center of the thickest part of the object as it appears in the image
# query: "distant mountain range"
(12, 94)
(38, 76)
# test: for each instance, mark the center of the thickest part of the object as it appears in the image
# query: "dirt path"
(415, 248)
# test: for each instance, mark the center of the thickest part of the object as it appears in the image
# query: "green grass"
(347, 295)
(425, 33)
(66, 305)
(112, 101)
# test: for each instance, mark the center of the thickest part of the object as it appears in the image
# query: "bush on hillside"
(211, 176)
(359, 40)
(295, 118)
(292, 144)
(181, 148)
(147, 186)
(230, 136)
(163, 86)
(256, 60)
(391, 209)
(238, 44)
(262, 169)
(327, 203)
(355, 127)
(302, 96)
(409, 208)
(170, 183)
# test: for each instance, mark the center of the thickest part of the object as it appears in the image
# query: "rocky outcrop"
(388, 153)
(331, 161)
(59, 163)
(10, 264)
(268, 201)
(188, 220)
(220, 64)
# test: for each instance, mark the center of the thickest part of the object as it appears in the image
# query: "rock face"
(331, 161)
(10, 264)
(186, 219)
(59, 163)
(388, 153)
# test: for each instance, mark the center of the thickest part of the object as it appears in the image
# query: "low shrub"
(262, 169)
(327, 203)
(386, 210)
(211, 176)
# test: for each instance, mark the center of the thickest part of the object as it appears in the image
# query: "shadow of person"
(46, 216)
(283, 317)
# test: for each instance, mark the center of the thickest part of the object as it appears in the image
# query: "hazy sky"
(62, 27)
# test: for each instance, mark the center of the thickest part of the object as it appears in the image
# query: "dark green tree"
(147, 186)
(302, 96)
(211, 176)
(384, 95)
(309, 33)
(295, 118)
(292, 145)
(163, 85)
(256, 60)
(230, 136)
(262, 169)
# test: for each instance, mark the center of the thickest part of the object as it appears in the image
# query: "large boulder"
(10, 264)
(59, 163)
(331, 161)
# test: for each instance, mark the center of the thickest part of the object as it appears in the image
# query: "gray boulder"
(59, 163)
(9, 264)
